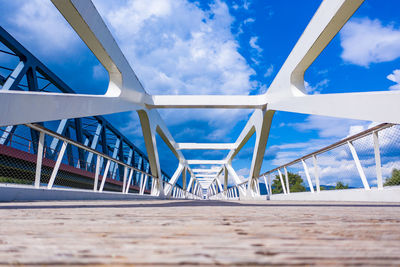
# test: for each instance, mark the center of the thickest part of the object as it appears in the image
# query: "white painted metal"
(200, 146)
(103, 180)
(282, 183)
(266, 185)
(129, 181)
(125, 92)
(287, 180)
(358, 165)
(39, 160)
(379, 179)
(124, 179)
(97, 173)
(316, 173)
(57, 166)
(305, 167)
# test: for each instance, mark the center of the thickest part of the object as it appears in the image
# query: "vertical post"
(359, 167)
(103, 181)
(97, 173)
(266, 185)
(184, 178)
(269, 184)
(57, 166)
(379, 180)
(39, 160)
(287, 180)
(124, 180)
(128, 184)
(308, 176)
(316, 173)
(282, 183)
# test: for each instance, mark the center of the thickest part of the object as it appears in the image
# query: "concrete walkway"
(199, 233)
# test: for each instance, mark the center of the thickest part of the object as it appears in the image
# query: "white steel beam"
(205, 162)
(39, 160)
(282, 183)
(358, 165)
(316, 173)
(205, 146)
(308, 176)
(57, 166)
(379, 180)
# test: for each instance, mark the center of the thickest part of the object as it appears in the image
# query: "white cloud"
(329, 126)
(99, 72)
(39, 24)
(254, 45)
(395, 77)
(365, 41)
(269, 71)
(249, 20)
(177, 48)
(317, 88)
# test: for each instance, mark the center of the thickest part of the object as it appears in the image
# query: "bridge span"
(75, 190)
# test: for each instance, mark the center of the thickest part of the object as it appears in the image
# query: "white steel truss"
(125, 93)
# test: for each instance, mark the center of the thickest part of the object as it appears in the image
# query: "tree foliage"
(340, 185)
(295, 183)
(395, 179)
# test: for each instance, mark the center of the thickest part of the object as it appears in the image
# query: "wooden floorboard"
(157, 232)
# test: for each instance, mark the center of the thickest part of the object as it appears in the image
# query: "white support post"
(359, 167)
(103, 181)
(287, 180)
(128, 184)
(39, 160)
(282, 183)
(379, 180)
(141, 183)
(308, 176)
(235, 178)
(266, 185)
(97, 173)
(269, 184)
(124, 180)
(143, 187)
(316, 173)
(57, 166)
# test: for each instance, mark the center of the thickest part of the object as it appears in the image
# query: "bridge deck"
(199, 232)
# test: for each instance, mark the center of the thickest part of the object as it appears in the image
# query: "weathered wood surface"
(199, 232)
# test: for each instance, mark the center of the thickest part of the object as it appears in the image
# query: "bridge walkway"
(200, 232)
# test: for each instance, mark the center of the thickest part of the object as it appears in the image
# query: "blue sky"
(221, 47)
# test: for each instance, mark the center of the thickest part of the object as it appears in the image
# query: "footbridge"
(116, 206)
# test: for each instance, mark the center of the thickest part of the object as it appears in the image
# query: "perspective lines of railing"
(33, 163)
(367, 160)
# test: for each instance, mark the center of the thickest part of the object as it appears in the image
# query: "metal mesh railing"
(36, 163)
(370, 159)
(364, 160)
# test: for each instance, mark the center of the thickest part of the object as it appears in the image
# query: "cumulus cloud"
(395, 77)
(269, 71)
(328, 126)
(38, 24)
(316, 89)
(176, 47)
(365, 41)
(254, 45)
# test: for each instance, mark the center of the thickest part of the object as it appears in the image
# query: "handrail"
(79, 145)
(379, 127)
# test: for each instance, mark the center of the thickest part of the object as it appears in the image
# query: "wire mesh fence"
(64, 163)
(366, 160)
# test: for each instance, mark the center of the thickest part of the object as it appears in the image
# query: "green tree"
(340, 185)
(395, 179)
(295, 183)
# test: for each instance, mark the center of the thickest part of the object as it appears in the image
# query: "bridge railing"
(27, 162)
(365, 161)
